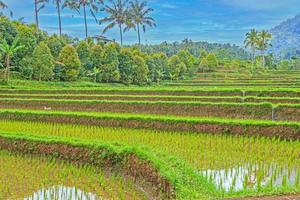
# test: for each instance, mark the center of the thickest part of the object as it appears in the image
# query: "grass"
(204, 152)
(187, 183)
(23, 176)
(237, 99)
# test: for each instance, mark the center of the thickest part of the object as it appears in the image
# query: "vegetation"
(181, 120)
(43, 176)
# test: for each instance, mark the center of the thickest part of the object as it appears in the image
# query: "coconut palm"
(9, 51)
(4, 6)
(139, 16)
(252, 42)
(93, 5)
(264, 39)
(38, 6)
(58, 3)
(118, 16)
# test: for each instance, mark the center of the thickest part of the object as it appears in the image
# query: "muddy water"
(62, 193)
(255, 177)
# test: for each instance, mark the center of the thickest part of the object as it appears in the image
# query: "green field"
(192, 141)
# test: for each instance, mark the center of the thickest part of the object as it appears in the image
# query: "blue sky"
(224, 21)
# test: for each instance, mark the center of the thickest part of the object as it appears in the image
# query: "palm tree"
(8, 52)
(252, 42)
(78, 4)
(58, 7)
(4, 6)
(139, 15)
(38, 6)
(118, 16)
(263, 43)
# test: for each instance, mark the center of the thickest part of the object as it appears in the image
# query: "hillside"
(286, 38)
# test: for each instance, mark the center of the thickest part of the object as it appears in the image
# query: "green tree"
(55, 44)
(26, 37)
(177, 68)
(84, 53)
(189, 60)
(263, 43)
(252, 42)
(212, 62)
(109, 68)
(93, 5)
(126, 65)
(117, 16)
(9, 51)
(203, 54)
(140, 17)
(43, 62)
(140, 71)
(97, 61)
(70, 63)
(203, 66)
(7, 30)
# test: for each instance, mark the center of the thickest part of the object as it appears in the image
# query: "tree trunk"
(59, 16)
(263, 58)
(36, 13)
(7, 68)
(85, 22)
(121, 34)
(40, 75)
(139, 34)
(253, 58)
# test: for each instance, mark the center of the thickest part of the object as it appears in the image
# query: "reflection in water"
(252, 176)
(62, 193)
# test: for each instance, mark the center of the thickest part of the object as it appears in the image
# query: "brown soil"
(131, 98)
(129, 165)
(282, 131)
(280, 197)
(286, 113)
(236, 112)
(126, 92)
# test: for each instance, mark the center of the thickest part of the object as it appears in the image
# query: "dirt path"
(283, 197)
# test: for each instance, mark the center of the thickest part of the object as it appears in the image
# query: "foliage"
(55, 44)
(109, 67)
(70, 63)
(126, 66)
(177, 68)
(27, 37)
(139, 17)
(212, 62)
(83, 51)
(43, 62)
(7, 30)
(140, 71)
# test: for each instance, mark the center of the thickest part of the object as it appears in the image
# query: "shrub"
(70, 63)
(43, 62)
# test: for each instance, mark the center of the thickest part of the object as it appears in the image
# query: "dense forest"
(27, 52)
(222, 51)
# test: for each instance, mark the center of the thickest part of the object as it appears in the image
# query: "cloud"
(262, 4)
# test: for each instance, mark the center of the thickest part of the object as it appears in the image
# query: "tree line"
(123, 14)
(33, 54)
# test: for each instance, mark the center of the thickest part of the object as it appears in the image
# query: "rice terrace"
(99, 101)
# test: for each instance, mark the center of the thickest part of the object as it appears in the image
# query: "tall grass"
(22, 176)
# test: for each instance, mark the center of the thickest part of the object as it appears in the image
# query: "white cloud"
(262, 4)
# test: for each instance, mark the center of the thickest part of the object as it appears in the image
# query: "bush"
(43, 62)
(70, 63)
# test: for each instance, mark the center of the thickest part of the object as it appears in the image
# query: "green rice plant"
(238, 156)
(26, 176)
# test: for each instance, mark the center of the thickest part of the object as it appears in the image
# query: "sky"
(218, 21)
